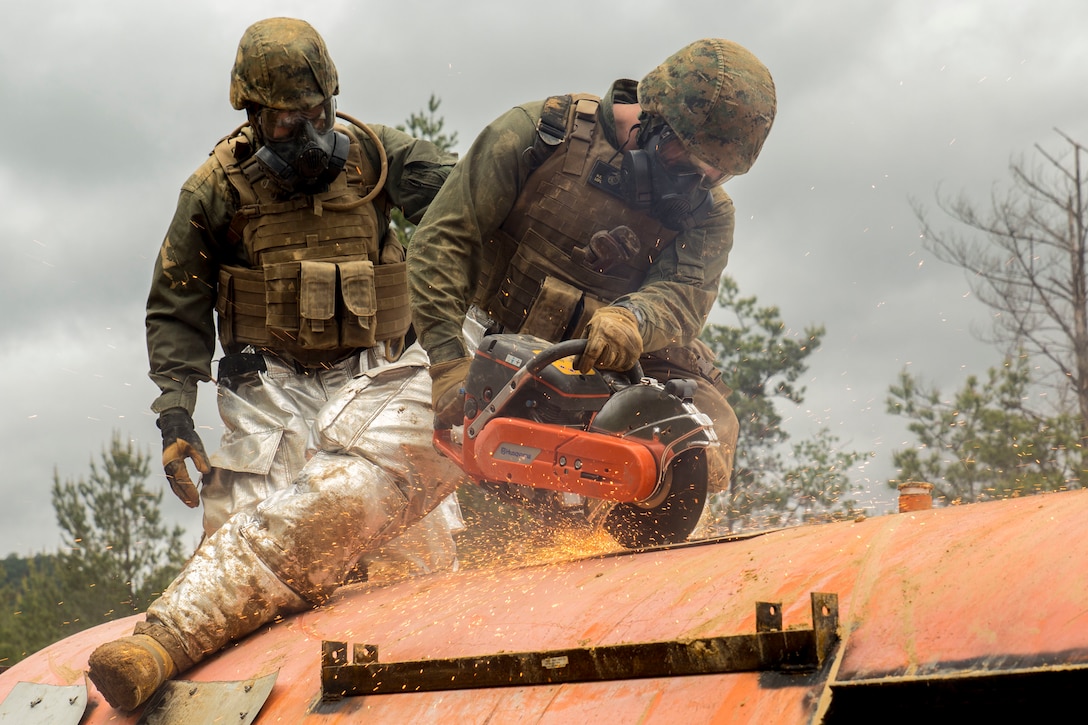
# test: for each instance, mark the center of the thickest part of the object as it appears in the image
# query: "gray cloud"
(109, 106)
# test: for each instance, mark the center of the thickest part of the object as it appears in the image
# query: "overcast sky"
(109, 106)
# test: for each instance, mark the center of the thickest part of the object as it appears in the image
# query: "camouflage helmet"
(718, 98)
(282, 63)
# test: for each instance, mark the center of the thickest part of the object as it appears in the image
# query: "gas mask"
(301, 152)
(662, 179)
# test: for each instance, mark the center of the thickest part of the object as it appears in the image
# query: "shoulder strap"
(554, 127)
(230, 153)
(551, 129)
(585, 119)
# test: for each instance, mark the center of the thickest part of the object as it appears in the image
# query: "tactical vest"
(320, 282)
(541, 280)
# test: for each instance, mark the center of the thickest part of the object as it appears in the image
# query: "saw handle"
(567, 348)
(532, 369)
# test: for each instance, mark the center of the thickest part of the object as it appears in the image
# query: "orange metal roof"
(979, 589)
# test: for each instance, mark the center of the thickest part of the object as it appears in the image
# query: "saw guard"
(598, 465)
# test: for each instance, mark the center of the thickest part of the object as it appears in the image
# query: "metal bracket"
(769, 648)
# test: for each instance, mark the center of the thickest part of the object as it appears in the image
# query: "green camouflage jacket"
(445, 257)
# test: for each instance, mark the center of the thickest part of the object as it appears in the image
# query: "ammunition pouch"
(318, 305)
(559, 311)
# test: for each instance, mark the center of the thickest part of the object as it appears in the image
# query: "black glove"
(180, 441)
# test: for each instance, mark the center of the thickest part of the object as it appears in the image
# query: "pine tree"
(117, 556)
(985, 441)
(1025, 255)
(775, 482)
(428, 126)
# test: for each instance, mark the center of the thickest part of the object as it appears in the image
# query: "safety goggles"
(279, 124)
(678, 162)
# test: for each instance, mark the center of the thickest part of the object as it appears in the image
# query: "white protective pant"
(374, 474)
(268, 419)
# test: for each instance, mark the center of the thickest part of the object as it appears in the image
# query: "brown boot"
(128, 670)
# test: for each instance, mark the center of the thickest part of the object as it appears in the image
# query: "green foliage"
(117, 556)
(12, 570)
(114, 526)
(40, 610)
(811, 485)
(762, 362)
(985, 442)
(426, 125)
(429, 126)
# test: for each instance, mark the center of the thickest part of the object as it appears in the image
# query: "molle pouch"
(317, 306)
(281, 285)
(359, 320)
(241, 306)
(224, 305)
(552, 310)
(590, 304)
(391, 300)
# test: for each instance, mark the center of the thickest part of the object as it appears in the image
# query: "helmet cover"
(282, 63)
(718, 98)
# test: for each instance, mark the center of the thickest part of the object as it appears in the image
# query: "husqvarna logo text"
(513, 453)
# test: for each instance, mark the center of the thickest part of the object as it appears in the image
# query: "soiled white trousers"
(269, 424)
(373, 473)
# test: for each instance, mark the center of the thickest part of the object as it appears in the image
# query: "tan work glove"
(613, 340)
(180, 441)
(448, 391)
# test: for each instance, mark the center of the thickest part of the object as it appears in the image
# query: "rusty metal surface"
(965, 592)
(987, 587)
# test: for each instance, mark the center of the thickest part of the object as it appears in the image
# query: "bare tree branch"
(1025, 258)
